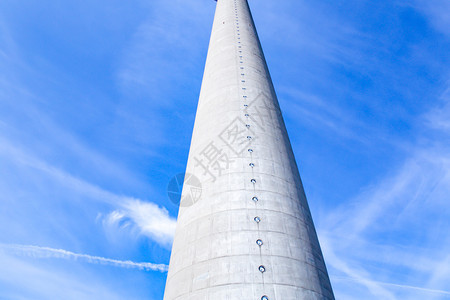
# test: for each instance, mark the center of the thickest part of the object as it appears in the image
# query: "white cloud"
(46, 252)
(143, 218)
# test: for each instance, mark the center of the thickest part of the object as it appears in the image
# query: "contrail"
(46, 252)
(398, 285)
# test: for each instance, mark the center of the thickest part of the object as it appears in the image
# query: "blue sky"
(97, 104)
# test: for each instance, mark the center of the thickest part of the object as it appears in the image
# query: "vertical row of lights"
(242, 80)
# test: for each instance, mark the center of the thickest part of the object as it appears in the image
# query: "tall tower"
(247, 233)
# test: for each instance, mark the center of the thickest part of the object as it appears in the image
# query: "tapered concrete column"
(247, 233)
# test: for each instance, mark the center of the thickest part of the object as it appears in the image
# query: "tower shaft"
(250, 234)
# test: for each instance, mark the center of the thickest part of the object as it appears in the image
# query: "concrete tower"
(247, 232)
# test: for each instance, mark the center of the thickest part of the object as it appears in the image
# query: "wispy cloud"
(397, 285)
(398, 208)
(163, 40)
(46, 252)
(322, 114)
(337, 261)
(437, 11)
(145, 218)
(21, 278)
(438, 118)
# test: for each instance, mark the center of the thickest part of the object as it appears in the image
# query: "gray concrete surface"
(215, 253)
